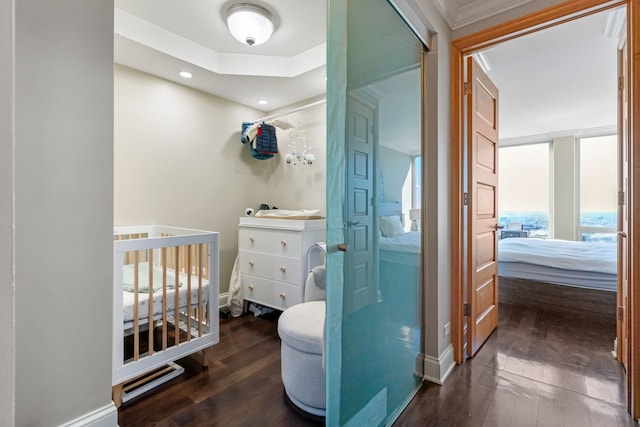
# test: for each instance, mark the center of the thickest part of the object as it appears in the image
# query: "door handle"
(622, 234)
(499, 227)
(352, 223)
(343, 247)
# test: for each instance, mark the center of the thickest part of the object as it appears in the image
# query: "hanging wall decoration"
(299, 150)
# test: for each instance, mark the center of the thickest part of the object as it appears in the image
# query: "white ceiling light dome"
(250, 24)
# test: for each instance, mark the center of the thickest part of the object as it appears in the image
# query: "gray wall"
(63, 209)
(7, 359)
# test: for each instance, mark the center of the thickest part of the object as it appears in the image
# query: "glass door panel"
(373, 284)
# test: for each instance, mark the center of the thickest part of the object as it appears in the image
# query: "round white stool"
(301, 329)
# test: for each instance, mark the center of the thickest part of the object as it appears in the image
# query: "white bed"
(395, 245)
(402, 249)
(590, 265)
(182, 322)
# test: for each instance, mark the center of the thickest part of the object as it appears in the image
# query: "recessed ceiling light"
(263, 101)
(186, 74)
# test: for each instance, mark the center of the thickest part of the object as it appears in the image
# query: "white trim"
(438, 369)
(482, 9)
(107, 416)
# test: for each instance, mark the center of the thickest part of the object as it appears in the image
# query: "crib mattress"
(143, 299)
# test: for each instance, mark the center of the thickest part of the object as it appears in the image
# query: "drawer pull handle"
(283, 243)
(282, 296)
(251, 239)
(282, 269)
(250, 263)
(250, 287)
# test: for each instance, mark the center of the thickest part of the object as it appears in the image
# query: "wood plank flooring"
(241, 386)
(537, 369)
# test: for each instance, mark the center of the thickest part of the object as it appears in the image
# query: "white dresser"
(273, 258)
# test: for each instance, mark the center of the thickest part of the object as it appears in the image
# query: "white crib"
(165, 300)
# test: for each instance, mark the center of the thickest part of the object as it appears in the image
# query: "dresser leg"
(245, 306)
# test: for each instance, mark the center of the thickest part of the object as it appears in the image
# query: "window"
(523, 188)
(417, 182)
(598, 188)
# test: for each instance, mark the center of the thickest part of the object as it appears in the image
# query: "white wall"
(63, 210)
(394, 167)
(565, 176)
(179, 161)
(7, 338)
(301, 187)
(438, 359)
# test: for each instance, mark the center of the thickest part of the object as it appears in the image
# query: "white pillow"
(390, 226)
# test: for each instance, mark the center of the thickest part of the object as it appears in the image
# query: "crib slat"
(164, 298)
(150, 300)
(188, 306)
(200, 289)
(176, 299)
(136, 321)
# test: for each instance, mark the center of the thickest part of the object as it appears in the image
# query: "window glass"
(523, 186)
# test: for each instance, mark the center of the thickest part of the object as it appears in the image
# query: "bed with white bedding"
(402, 249)
(577, 278)
(590, 265)
(396, 245)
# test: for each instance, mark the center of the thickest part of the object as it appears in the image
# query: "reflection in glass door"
(373, 283)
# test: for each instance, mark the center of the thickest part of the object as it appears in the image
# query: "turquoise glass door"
(374, 238)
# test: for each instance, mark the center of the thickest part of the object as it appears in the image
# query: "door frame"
(545, 18)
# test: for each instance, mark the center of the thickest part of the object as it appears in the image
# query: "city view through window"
(524, 188)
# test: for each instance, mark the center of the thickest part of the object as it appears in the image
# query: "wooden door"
(482, 199)
(622, 336)
(360, 282)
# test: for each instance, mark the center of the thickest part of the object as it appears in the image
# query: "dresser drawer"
(270, 293)
(256, 263)
(275, 242)
(272, 267)
(287, 270)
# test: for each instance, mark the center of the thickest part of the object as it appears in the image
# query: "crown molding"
(460, 16)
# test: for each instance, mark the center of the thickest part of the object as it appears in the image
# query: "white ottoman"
(301, 329)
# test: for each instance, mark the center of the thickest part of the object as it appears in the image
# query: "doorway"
(561, 13)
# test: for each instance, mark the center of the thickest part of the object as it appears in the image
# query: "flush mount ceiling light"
(249, 23)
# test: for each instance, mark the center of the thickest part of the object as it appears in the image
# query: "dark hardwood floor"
(241, 386)
(540, 368)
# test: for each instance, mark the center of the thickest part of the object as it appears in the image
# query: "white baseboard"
(438, 369)
(106, 416)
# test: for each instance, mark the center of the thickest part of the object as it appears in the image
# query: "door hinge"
(620, 313)
(467, 88)
(466, 199)
(620, 83)
(621, 198)
(467, 310)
